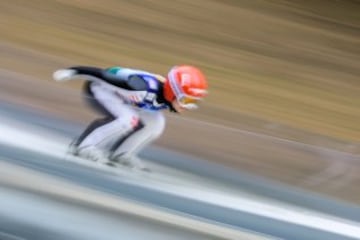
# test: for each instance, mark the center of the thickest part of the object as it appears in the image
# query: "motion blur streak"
(61, 200)
(207, 200)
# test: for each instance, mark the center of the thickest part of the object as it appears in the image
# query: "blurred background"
(284, 98)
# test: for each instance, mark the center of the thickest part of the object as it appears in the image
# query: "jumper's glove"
(62, 75)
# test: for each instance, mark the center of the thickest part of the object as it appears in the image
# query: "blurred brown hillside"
(291, 62)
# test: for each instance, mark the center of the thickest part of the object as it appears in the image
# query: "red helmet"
(186, 84)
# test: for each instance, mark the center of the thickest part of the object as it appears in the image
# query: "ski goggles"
(188, 102)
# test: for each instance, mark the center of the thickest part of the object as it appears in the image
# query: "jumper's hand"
(62, 75)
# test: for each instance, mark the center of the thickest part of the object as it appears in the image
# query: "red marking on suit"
(134, 121)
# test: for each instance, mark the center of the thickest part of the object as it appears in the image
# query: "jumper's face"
(176, 105)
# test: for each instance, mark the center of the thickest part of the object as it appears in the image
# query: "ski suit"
(131, 101)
